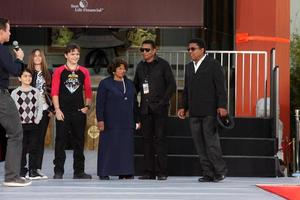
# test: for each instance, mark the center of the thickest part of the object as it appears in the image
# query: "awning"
(104, 13)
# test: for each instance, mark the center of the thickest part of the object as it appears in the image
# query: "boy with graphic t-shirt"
(68, 83)
(30, 106)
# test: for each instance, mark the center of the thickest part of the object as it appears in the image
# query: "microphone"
(16, 45)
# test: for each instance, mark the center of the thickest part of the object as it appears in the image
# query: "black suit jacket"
(204, 91)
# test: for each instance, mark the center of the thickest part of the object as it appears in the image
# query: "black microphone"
(16, 45)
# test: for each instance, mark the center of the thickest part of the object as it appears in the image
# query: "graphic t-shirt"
(69, 85)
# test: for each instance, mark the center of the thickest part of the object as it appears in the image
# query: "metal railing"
(245, 72)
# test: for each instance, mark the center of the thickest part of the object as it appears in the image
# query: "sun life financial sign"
(82, 6)
(95, 13)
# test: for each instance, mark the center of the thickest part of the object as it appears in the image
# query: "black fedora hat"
(226, 122)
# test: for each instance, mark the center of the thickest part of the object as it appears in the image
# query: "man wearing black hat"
(204, 96)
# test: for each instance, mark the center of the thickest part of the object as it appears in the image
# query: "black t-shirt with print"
(71, 90)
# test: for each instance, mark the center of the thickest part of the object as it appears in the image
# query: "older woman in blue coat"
(115, 110)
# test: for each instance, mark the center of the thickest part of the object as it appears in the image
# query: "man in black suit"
(204, 96)
(155, 80)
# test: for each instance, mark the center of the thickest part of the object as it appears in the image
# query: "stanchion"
(297, 136)
(293, 155)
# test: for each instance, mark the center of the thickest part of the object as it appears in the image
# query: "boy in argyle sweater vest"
(29, 105)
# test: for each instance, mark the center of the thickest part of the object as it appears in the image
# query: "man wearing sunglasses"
(155, 80)
(204, 96)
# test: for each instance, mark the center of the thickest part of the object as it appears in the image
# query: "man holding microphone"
(9, 116)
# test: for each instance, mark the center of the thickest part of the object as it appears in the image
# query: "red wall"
(271, 19)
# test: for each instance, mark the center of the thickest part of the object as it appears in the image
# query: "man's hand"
(138, 126)
(19, 54)
(59, 114)
(101, 125)
(222, 112)
(181, 113)
(84, 110)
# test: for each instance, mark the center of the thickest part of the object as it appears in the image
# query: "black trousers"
(30, 146)
(207, 143)
(42, 130)
(153, 126)
(74, 124)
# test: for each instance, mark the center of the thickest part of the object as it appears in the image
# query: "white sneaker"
(42, 174)
(34, 175)
(17, 182)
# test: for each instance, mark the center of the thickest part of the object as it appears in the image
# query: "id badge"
(146, 88)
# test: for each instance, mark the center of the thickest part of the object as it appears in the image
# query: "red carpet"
(291, 192)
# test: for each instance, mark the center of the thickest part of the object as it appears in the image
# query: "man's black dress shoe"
(82, 176)
(104, 177)
(219, 178)
(206, 179)
(147, 177)
(162, 178)
(58, 176)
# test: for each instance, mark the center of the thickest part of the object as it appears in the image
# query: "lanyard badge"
(146, 87)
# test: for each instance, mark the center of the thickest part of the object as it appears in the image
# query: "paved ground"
(232, 188)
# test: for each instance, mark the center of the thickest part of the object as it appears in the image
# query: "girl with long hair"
(41, 80)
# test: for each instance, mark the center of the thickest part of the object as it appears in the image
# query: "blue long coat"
(116, 109)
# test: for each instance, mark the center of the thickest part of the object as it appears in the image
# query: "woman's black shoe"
(104, 177)
(126, 177)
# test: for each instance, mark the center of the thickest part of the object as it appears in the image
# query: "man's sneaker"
(17, 182)
(34, 175)
(24, 175)
(42, 174)
(82, 176)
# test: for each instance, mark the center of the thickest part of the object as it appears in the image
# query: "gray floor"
(232, 188)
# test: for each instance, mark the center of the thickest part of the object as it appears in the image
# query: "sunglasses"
(145, 49)
(192, 49)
